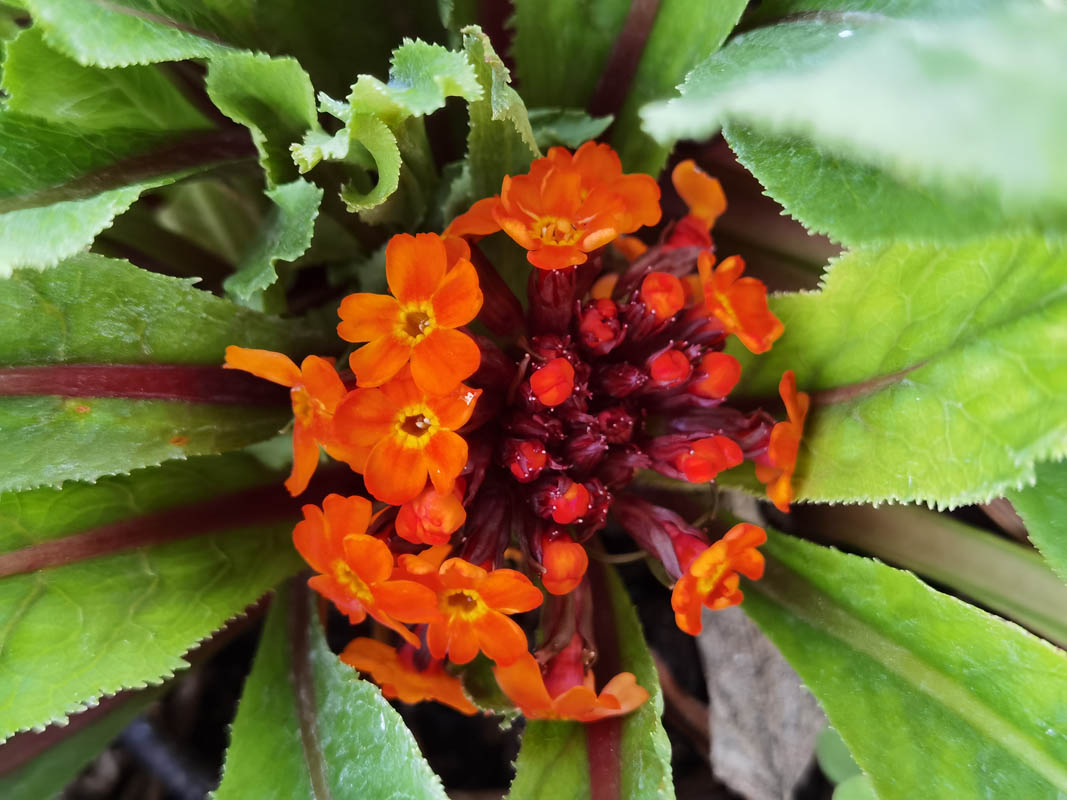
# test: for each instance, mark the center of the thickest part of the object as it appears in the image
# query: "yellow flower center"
(414, 424)
(462, 603)
(706, 584)
(352, 583)
(306, 407)
(416, 322)
(555, 230)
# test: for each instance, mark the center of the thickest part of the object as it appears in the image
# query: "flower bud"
(693, 458)
(525, 458)
(600, 330)
(620, 380)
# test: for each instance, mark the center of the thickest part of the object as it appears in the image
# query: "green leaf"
(561, 47)
(331, 734)
(273, 97)
(41, 82)
(500, 141)
(1043, 508)
(1008, 578)
(857, 204)
(567, 127)
(91, 309)
(858, 787)
(553, 761)
(835, 760)
(285, 236)
(939, 373)
(75, 632)
(972, 102)
(681, 36)
(61, 185)
(992, 692)
(47, 774)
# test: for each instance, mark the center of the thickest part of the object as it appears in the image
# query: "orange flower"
(717, 376)
(565, 563)
(473, 604)
(433, 296)
(554, 382)
(776, 468)
(400, 680)
(411, 435)
(740, 304)
(356, 569)
(706, 202)
(566, 206)
(432, 517)
(711, 578)
(663, 294)
(315, 391)
(707, 457)
(524, 685)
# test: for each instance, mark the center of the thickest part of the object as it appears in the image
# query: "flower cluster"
(495, 460)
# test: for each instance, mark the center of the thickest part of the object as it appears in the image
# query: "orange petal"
(396, 474)
(565, 564)
(640, 194)
(305, 459)
(346, 515)
(310, 540)
(437, 639)
(368, 557)
(462, 642)
(686, 605)
(364, 418)
(717, 377)
(509, 591)
(556, 256)
(597, 162)
(631, 248)
(408, 601)
(446, 456)
(458, 298)
(522, 682)
(322, 382)
(346, 603)
(663, 294)
(365, 317)
(454, 409)
(478, 221)
(378, 361)
(500, 638)
(457, 249)
(456, 573)
(554, 382)
(442, 359)
(265, 364)
(414, 266)
(561, 193)
(701, 192)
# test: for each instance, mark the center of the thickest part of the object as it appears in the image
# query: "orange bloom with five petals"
(435, 292)
(432, 517)
(355, 569)
(400, 680)
(566, 206)
(473, 606)
(740, 304)
(711, 579)
(775, 469)
(411, 435)
(315, 391)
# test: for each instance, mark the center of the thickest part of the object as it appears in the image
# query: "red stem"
(604, 738)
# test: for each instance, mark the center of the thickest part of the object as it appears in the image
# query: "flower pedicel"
(488, 454)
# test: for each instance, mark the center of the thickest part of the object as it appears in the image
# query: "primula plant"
(409, 345)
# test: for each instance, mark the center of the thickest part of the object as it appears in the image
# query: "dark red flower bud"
(600, 330)
(693, 458)
(617, 424)
(751, 431)
(659, 531)
(617, 468)
(560, 499)
(524, 458)
(619, 380)
(552, 299)
(537, 426)
(596, 517)
(479, 455)
(584, 450)
(488, 527)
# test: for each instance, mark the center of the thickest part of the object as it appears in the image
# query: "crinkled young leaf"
(992, 692)
(94, 310)
(42, 82)
(974, 102)
(681, 37)
(61, 185)
(939, 373)
(285, 236)
(858, 204)
(567, 127)
(554, 761)
(500, 141)
(76, 632)
(1043, 508)
(273, 97)
(308, 727)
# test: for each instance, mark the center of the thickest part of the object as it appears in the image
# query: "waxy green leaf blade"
(939, 374)
(1043, 508)
(74, 633)
(992, 692)
(308, 727)
(554, 760)
(971, 102)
